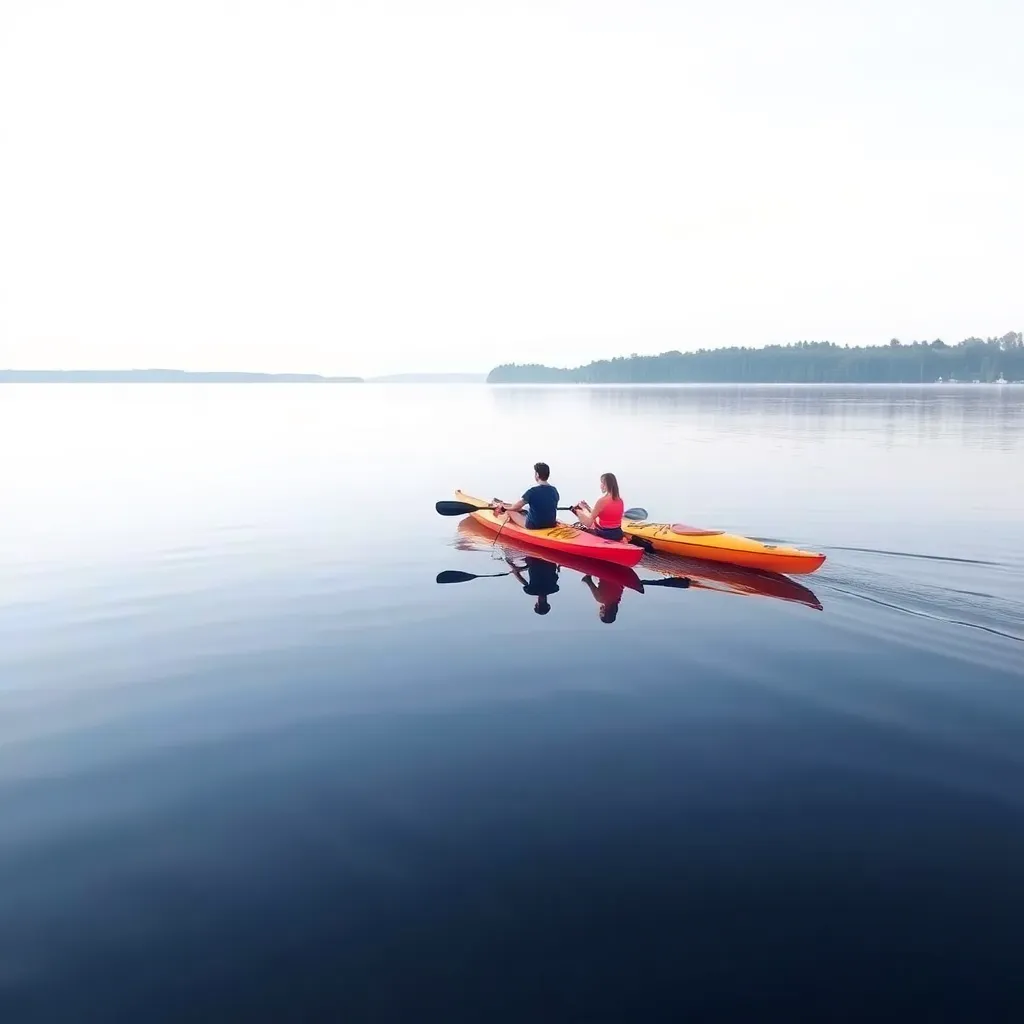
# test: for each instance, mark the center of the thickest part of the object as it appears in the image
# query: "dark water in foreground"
(255, 764)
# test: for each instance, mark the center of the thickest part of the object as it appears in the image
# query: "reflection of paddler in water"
(607, 594)
(541, 581)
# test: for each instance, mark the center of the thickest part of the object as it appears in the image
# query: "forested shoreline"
(806, 362)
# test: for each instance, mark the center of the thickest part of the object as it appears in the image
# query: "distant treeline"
(164, 377)
(804, 362)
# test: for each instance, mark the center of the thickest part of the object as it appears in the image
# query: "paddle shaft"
(456, 576)
(463, 508)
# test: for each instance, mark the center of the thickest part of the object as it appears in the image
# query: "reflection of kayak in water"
(537, 571)
(732, 579)
(475, 536)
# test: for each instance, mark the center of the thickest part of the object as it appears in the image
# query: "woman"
(605, 518)
(607, 594)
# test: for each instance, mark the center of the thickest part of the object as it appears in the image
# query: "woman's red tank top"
(611, 514)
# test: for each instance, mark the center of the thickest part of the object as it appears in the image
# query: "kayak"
(622, 575)
(714, 576)
(718, 546)
(733, 579)
(562, 538)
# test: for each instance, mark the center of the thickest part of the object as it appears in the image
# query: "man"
(542, 499)
(541, 580)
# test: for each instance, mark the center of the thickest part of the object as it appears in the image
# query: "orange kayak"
(562, 538)
(623, 575)
(718, 546)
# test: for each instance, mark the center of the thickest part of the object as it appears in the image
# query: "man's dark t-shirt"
(543, 510)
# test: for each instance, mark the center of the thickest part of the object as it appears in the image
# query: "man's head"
(541, 470)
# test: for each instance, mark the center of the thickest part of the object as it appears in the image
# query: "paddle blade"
(454, 508)
(454, 576)
(637, 515)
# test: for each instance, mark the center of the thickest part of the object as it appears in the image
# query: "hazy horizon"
(358, 189)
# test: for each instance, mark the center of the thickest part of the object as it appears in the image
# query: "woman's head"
(607, 612)
(610, 485)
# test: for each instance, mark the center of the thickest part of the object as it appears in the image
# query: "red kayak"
(562, 538)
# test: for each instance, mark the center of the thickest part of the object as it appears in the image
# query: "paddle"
(454, 576)
(462, 508)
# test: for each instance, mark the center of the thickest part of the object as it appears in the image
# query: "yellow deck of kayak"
(718, 546)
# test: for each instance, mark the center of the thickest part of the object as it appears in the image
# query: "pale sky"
(373, 187)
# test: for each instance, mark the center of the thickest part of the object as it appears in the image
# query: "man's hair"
(542, 469)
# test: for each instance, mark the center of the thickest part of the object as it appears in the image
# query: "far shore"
(165, 377)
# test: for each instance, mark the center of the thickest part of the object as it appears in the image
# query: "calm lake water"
(257, 765)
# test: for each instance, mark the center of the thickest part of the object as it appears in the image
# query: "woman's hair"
(611, 483)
